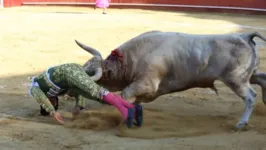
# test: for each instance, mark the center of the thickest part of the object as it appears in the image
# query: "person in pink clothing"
(102, 4)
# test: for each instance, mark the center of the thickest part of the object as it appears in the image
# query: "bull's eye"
(90, 72)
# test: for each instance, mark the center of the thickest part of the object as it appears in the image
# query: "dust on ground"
(34, 38)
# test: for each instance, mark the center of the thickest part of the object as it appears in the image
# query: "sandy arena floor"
(34, 38)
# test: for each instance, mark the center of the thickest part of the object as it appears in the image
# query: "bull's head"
(93, 66)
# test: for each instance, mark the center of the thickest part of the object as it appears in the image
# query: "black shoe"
(130, 118)
(139, 115)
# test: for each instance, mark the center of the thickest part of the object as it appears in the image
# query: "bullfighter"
(72, 79)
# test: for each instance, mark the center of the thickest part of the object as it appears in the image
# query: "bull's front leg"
(260, 79)
(133, 91)
(141, 90)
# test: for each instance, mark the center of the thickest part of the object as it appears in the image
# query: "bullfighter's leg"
(260, 79)
(76, 77)
(248, 94)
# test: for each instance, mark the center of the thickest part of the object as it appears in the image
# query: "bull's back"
(185, 59)
(197, 60)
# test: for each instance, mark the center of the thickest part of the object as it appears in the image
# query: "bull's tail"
(250, 37)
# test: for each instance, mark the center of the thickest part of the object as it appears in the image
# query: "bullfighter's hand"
(57, 117)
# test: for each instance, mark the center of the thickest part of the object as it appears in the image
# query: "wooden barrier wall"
(255, 4)
(10, 3)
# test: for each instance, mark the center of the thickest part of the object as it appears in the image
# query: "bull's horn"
(91, 50)
(98, 74)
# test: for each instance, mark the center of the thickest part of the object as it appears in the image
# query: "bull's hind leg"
(260, 79)
(248, 94)
(249, 100)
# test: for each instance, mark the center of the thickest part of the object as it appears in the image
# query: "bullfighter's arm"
(41, 98)
(80, 101)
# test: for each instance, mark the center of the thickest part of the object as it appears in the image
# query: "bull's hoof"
(264, 96)
(139, 115)
(242, 126)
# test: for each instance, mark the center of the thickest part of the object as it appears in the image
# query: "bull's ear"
(89, 49)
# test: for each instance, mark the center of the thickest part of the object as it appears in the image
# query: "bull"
(156, 63)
